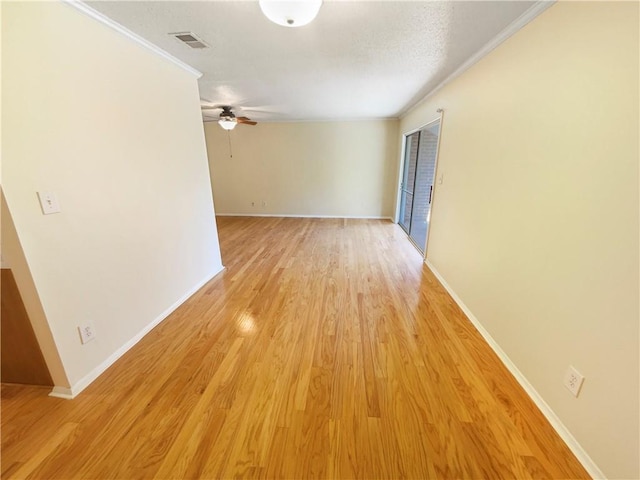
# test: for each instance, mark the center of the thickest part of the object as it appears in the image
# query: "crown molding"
(511, 29)
(134, 37)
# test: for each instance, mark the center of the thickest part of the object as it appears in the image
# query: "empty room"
(320, 239)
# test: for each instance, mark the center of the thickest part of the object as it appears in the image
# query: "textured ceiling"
(358, 59)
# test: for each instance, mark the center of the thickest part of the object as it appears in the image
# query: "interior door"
(416, 195)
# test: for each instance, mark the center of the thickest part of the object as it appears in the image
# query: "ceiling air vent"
(190, 39)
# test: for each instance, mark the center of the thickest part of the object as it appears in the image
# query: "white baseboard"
(580, 453)
(84, 382)
(62, 392)
(287, 215)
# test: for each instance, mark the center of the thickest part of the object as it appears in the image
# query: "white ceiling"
(356, 60)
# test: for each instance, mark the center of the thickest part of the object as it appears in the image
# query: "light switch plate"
(48, 202)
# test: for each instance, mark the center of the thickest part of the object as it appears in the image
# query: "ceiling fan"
(228, 120)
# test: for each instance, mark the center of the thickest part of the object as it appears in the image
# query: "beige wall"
(115, 132)
(535, 226)
(13, 258)
(342, 169)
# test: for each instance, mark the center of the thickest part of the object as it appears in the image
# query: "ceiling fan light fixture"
(228, 123)
(291, 13)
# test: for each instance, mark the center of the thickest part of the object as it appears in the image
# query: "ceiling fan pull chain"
(229, 137)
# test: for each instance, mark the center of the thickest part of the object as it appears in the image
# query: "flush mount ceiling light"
(291, 13)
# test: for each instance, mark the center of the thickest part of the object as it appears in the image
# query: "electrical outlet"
(87, 333)
(264, 203)
(573, 380)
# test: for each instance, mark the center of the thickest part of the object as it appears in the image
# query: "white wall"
(535, 226)
(115, 132)
(344, 169)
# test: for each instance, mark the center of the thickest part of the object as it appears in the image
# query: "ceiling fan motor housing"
(227, 114)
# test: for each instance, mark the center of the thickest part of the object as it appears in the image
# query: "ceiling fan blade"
(246, 121)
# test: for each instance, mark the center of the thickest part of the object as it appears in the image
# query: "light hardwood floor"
(325, 350)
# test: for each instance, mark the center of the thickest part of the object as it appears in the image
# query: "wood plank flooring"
(325, 350)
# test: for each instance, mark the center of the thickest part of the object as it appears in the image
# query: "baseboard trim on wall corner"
(564, 433)
(62, 392)
(84, 382)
